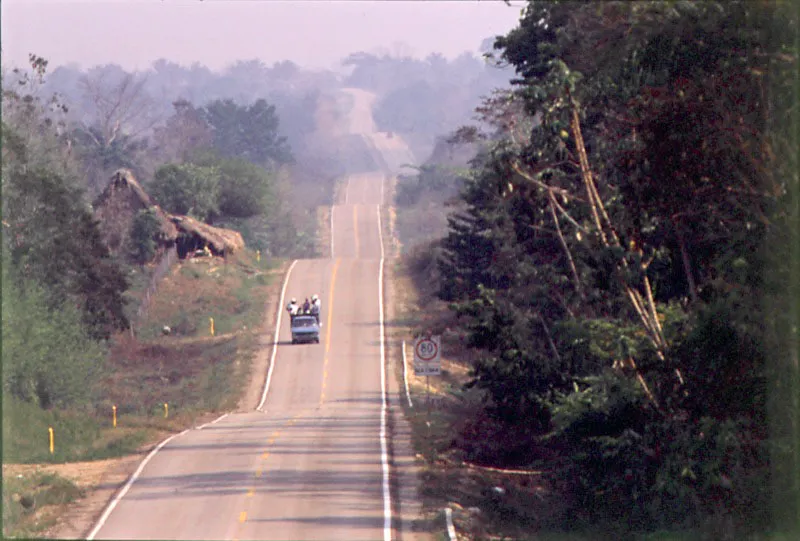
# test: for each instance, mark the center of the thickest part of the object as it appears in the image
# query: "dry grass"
(190, 369)
(32, 500)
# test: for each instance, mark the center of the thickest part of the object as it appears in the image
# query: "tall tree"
(187, 189)
(249, 132)
(54, 240)
(185, 132)
(121, 114)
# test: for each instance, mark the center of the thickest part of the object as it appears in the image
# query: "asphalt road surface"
(311, 464)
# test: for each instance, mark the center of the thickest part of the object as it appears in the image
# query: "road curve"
(311, 464)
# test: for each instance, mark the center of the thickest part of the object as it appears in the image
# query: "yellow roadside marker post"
(166, 410)
(258, 256)
(114, 409)
(211, 325)
(52, 448)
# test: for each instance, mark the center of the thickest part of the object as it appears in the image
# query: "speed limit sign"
(427, 356)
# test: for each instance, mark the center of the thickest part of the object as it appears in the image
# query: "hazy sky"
(134, 33)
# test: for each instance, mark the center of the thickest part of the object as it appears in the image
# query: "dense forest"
(619, 262)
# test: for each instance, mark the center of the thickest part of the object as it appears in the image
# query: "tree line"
(63, 289)
(620, 262)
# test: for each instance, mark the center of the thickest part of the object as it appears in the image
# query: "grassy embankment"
(196, 374)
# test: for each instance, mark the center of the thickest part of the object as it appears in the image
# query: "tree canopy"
(249, 132)
(611, 262)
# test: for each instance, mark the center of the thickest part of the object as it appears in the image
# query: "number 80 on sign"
(427, 356)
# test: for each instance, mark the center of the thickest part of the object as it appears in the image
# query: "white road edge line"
(277, 332)
(387, 502)
(380, 232)
(405, 376)
(118, 497)
(451, 530)
(215, 421)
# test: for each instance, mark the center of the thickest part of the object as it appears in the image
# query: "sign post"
(428, 362)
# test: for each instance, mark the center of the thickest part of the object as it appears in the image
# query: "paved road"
(309, 466)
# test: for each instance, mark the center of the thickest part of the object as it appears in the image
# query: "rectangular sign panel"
(428, 356)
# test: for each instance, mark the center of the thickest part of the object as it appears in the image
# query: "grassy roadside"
(196, 374)
(31, 501)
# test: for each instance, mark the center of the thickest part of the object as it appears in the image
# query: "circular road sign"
(427, 349)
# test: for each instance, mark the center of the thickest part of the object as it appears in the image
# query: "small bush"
(144, 230)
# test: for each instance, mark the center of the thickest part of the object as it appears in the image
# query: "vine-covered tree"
(610, 265)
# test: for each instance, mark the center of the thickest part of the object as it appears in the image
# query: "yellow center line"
(355, 228)
(265, 455)
(328, 325)
(330, 310)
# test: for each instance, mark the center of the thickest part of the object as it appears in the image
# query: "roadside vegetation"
(75, 347)
(196, 374)
(617, 288)
(31, 502)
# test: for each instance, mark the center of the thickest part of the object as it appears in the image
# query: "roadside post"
(211, 325)
(166, 410)
(428, 362)
(52, 448)
(114, 409)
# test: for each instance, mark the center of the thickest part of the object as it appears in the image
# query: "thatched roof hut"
(194, 235)
(118, 205)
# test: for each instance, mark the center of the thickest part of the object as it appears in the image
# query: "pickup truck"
(305, 329)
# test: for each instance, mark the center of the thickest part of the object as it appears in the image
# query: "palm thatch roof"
(222, 241)
(119, 203)
(124, 197)
(124, 179)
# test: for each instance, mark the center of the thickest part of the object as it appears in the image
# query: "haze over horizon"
(313, 34)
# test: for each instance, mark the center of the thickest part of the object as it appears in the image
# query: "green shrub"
(144, 229)
(48, 357)
(628, 464)
(187, 189)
